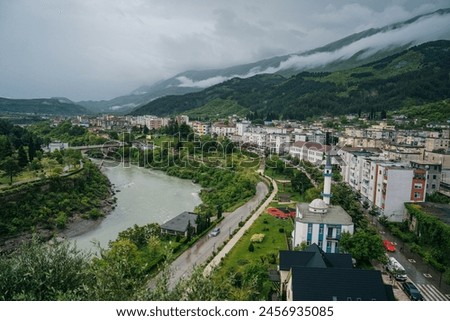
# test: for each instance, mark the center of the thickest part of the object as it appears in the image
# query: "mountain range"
(353, 51)
(416, 76)
(42, 106)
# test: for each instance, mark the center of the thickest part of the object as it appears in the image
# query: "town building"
(314, 275)
(309, 151)
(200, 128)
(433, 172)
(180, 224)
(384, 184)
(320, 222)
(223, 130)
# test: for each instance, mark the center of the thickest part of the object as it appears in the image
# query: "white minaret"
(327, 173)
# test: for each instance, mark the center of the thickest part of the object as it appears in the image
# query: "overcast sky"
(100, 49)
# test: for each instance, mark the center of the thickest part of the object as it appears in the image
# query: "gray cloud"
(100, 49)
(426, 29)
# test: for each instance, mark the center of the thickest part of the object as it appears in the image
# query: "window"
(418, 185)
(320, 244)
(330, 231)
(321, 230)
(417, 195)
(329, 244)
(309, 229)
(434, 176)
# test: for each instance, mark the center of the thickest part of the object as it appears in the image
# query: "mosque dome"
(318, 206)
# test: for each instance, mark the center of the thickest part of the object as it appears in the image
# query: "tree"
(118, 274)
(6, 148)
(22, 158)
(31, 148)
(42, 272)
(364, 245)
(219, 211)
(11, 167)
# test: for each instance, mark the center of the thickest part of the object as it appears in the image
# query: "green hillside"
(216, 109)
(432, 112)
(413, 77)
(50, 106)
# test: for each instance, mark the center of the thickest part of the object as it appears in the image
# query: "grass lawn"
(240, 257)
(275, 175)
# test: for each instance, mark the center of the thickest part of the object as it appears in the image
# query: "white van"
(396, 269)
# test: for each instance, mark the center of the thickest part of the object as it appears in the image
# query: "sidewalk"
(232, 242)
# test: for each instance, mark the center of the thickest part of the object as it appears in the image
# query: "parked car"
(389, 246)
(412, 291)
(215, 232)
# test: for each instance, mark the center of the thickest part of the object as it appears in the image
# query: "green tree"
(219, 211)
(22, 158)
(11, 167)
(119, 273)
(42, 272)
(6, 148)
(363, 245)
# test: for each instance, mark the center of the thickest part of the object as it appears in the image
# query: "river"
(143, 196)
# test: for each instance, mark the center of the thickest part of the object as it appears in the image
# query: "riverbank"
(48, 208)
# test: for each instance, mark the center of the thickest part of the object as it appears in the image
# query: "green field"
(275, 239)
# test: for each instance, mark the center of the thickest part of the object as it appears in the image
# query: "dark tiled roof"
(180, 222)
(313, 284)
(313, 256)
(340, 260)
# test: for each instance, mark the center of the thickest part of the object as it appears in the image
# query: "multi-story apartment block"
(395, 185)
(435, 144)
(433, 172)
(278, 143)
(200, 128)
(241, 127)
(221, 129)
(257, 139)
(385, 184)
(309, 151)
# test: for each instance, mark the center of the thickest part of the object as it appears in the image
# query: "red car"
(389, 246)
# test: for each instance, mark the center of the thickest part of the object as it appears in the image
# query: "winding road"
(199, 253)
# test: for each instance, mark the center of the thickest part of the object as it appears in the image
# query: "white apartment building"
(241, 127)
(278, 143)
(384, 184)
(309, 151)
(396, 185)
(258, 139)
(221, 129)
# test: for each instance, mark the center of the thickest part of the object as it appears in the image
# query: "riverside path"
(199, 253)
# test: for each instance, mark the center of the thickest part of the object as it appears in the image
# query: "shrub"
(257, 238)
(251, 247)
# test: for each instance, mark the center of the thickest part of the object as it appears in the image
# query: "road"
(199, 253)
(426, 279)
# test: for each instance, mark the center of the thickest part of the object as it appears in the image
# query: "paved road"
(420, 273)
(216, 260)
(204, 248)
